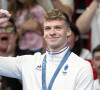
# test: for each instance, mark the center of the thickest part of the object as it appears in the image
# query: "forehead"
(54, 22)
(97, 53)
(7, 24)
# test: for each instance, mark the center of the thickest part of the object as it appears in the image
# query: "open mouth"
(4, 38)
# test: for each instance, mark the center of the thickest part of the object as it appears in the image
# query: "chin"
(54, 47)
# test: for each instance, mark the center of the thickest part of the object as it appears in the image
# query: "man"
(58, 68)
(96, 56)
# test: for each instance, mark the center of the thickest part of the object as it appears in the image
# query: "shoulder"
(37, 57)
(86, 54)
(96, 84)
(85, 50)
(96, 81)
(78, 61)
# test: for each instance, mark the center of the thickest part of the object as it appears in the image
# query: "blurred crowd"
(23, 33)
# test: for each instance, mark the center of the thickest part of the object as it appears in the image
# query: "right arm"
(84, 21)
(10, 67)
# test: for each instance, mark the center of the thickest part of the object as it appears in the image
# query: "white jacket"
(78, 76)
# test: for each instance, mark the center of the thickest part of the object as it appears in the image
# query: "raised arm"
(10, 67)
(84, 21)
(62, 5)
(4, 16)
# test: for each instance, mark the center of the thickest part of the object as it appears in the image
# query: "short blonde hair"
(56, 14)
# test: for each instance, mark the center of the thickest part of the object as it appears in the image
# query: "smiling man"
(58, 68)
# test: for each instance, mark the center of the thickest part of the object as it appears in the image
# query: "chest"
(64, 77)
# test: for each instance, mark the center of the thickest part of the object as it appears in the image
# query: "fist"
(4, 16)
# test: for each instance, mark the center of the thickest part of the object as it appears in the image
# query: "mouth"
(53, 39)
(4, 39)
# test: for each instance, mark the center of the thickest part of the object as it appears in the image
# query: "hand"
(98, 1)
(4, 16)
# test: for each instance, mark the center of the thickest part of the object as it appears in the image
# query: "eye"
(97, 58)
(47, 28)
(1, 29)
(58, 27)
(10, 29)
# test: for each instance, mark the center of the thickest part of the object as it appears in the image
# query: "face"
(6, 35)
(97, 61)
(71, 40)
(55, 34)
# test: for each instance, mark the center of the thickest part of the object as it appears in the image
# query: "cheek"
(97, 63)
(46, 34)
(71, 42)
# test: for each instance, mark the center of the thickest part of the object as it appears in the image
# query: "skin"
(71, 40)
(4, 19)
(8, 44)
(55, 34)
(97, 61)
(84, 21)
(65, 8)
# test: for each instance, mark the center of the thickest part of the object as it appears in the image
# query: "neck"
(5, 53)
(55, 49)
(59, 50)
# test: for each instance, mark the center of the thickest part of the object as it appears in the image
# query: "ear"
(77, 38)
(69, 32)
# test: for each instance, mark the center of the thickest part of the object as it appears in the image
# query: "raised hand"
(4, 16)
(97, 1)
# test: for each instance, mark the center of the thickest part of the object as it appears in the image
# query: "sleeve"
(84, 79)
(70, 3)
(10, 67)
(86, 54)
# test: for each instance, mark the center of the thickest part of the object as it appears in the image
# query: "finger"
(3, 20)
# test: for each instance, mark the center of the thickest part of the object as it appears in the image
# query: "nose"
(52, 33)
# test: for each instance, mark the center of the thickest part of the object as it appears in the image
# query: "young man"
(96, 56)
(58, 68)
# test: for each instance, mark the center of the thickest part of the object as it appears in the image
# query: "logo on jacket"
(65, 69)
(39, 67)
